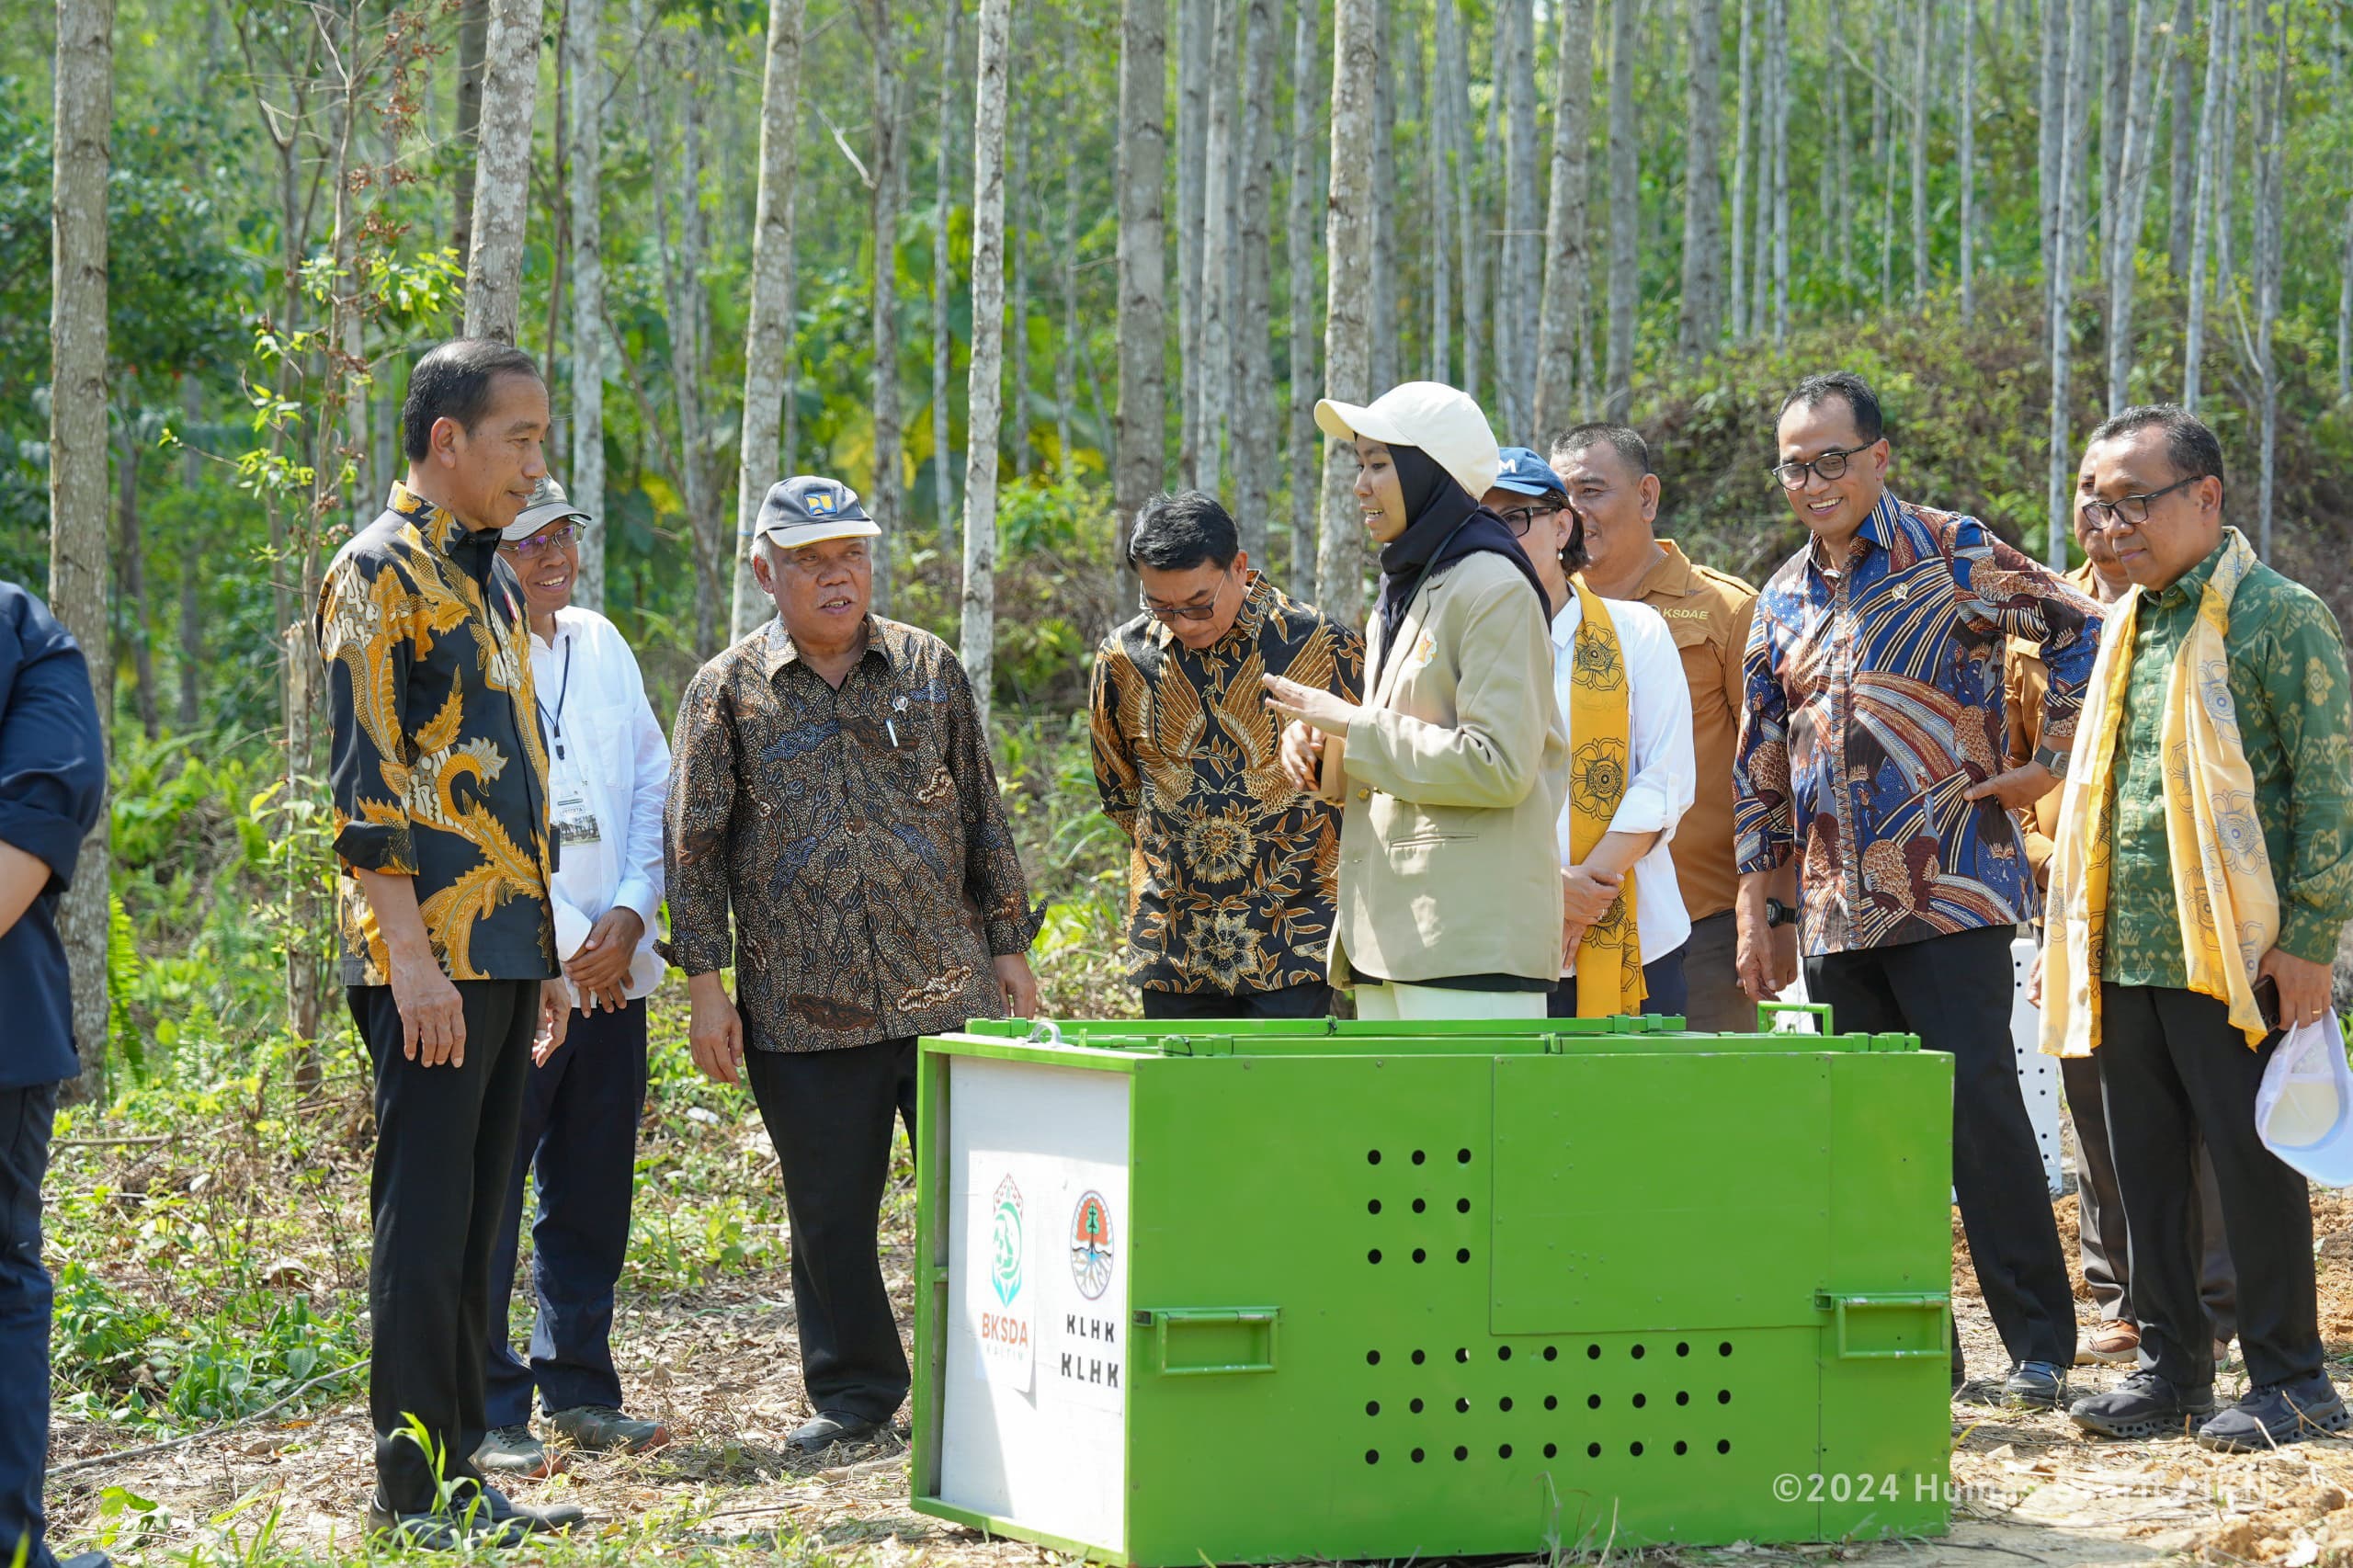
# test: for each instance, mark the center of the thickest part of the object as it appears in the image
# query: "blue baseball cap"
(1525, 473)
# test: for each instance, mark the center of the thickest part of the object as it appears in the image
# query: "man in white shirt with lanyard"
(1630, 799)
(609, 770)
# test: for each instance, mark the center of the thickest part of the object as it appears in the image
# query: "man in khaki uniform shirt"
(1607, 470)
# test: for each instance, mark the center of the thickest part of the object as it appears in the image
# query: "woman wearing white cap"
(1456, 764)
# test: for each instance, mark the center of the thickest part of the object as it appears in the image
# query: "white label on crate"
(1003, 1294)
(1086, 1360)
(1034, 1430)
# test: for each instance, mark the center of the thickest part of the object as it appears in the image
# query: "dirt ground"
(721, 1369)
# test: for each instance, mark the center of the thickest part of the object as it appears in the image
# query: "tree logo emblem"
(1005, 1271)
(1090, 1247)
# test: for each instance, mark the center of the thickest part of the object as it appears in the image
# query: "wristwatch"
(1779, 914)
(2057, 761)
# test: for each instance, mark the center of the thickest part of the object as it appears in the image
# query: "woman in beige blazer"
(1451, 774)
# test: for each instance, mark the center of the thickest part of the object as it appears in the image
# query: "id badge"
(575, 819)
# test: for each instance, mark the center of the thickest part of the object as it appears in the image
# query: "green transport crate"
(1246, 1291)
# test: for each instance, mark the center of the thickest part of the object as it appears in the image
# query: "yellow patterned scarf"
(1610, 960)
(2222, 871)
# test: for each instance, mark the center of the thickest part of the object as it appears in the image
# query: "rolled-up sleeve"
(369, 652)
(52, 753)
(993, 880)
(698, 825)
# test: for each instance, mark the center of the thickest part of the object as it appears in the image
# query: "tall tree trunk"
(2131, 195)
(473, 36)
(1760, 201)
(1140, 438)
(1193, 25)
(1300, 235)
(1347, 310)
(768, 334)
(1444, 82)
(1743, 108)
(992, 67)
(1466, 196)
(2183, 165)
(2115, 108)
(1922, 29)
(1702, 321)
(1067, 343)
(1017, 248)
(2345, 311)
(1523, 263)
(2270, 61)
(1842, 142)
(2226, 157)
(1883, 136)
(586, 483)
(2205, 200)
(136, 620)
(1625, 214)
(1777, 43)
(1968, 162)
(1560, 332)
(1254, 355)
(690, 364)
(1213, 379)
(2075, 112)
(192, 627)
(883, 496)
(503, 171)
(942, 337)
(1385, 345)
(84, 110)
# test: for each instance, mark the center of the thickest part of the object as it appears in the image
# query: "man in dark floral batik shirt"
(1230, 883)
(1871, 754)
(833, 832)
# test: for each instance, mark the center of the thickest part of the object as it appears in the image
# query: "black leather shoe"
(829, 1427)
(2035, 1385)
(552, 1519)
(2145, 1405)
(2272, 1415)
(439, 1529)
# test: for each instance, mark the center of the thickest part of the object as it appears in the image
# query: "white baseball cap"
(2304, 1111)
(1429, 416)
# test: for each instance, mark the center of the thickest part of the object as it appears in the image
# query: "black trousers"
(2099, 1215)
(829, 1115)
(1663, 987)
(579, 1138)
(1313, 1001)
(2174, 1071)
(445, 1153)
(26, 1117)
(1713, 1002)
(1954, 992)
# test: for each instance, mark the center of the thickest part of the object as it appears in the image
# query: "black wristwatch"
(2057, 761)
(1779, 914)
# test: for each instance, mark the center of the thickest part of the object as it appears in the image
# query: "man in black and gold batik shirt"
(439, 784)
(833, 832)
(1230, 883)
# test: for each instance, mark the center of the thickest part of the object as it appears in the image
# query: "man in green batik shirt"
(2172, 1065)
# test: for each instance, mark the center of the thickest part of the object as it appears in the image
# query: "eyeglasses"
(540, 543)
(1520, 520)
(1170, 613)
(1831, 464)
(2131, 511)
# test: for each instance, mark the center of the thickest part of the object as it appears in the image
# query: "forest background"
(1007, 270)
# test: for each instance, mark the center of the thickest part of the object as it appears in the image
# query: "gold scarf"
(1610, 960)
(2222, 871)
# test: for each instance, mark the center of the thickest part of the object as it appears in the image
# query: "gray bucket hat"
(806, 509)
(548, 504)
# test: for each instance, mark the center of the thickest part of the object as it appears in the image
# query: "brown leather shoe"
(2114, 1343)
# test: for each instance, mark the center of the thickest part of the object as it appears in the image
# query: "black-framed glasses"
(1194, 613)
(2130, 510)
(1520, 520)
(1831, 464)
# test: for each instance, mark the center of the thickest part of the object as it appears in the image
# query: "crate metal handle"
(1840, 1305)
(1261, 1319)
(1768, 1011)
(1045, 1029)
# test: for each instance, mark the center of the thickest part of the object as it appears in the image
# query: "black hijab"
(1445, 523)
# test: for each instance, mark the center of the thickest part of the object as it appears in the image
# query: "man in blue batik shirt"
(53, 785)
(1872, 756)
